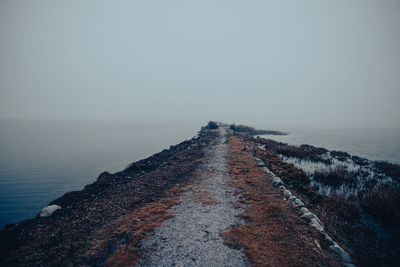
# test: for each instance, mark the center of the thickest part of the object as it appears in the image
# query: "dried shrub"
(253, 131)
(360, 161)
(333, 177)
(337, 211)
(383, 203)
(342, 220)
(390, 169)
(340, 155)
(302, 152)
(212, 125)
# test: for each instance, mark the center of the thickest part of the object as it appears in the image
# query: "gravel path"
(192, 237)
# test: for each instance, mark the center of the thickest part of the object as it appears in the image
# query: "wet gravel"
(193, 237)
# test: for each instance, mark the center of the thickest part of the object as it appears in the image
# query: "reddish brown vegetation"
(342, 220)
(338, 216)
(392, 170)
(274, 234)
(253, 131)
(333, 177)
(383, 203)
(340, 155)
(302, 152)
(204, 197)
(133, 228)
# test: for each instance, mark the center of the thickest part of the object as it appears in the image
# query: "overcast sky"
(334, 63)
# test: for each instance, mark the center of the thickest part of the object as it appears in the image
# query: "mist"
(317, 63)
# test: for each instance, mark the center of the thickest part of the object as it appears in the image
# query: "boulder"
(341, 253)
(276, 181)
(314, 223)
(287, 193)
(48, 210)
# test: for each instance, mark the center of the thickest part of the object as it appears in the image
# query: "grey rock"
(314, 223)
(287, 194)
(276, 181)
(49, 210)
(341, 253)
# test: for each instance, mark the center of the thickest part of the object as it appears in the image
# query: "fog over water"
(330, 63)
(88, 86)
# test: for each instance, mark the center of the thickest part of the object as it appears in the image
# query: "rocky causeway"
(222, 198)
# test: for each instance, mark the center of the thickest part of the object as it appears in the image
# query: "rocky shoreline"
(291, 206)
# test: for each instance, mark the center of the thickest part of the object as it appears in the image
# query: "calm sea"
(42, 160)
(373, 144)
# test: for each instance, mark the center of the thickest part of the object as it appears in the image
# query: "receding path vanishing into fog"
(193, 237)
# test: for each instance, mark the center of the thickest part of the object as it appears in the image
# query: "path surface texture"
(193, 237)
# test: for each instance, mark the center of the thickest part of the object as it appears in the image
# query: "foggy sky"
(329, 63)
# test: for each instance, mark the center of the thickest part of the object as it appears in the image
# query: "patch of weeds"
(383, 203)
(332, 177)
(212, 125)
(390, 169)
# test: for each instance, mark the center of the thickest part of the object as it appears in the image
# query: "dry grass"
(209, 201)
(203, 196)
(333, 177)
(302, 152)
(390, 169)
(383, 203)
(274, 234)
(144, 220)
(129, 230)
(134, 228)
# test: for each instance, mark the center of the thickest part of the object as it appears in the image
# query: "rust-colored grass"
(133, 227)
(274, 234)
(144, 220)
(203, 196)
